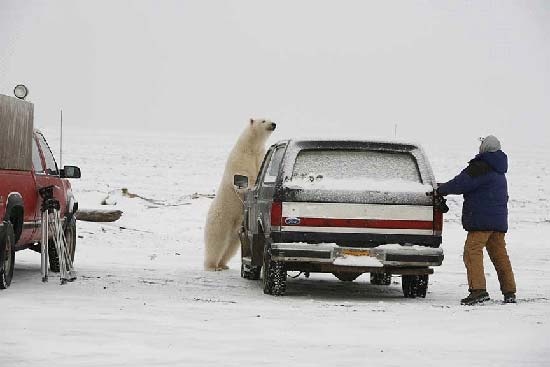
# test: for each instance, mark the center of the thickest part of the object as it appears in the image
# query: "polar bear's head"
(262, 127)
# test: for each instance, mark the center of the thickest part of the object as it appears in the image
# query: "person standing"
(485, 217)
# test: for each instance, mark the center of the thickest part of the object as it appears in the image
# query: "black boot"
(509, 298)
(475, 296)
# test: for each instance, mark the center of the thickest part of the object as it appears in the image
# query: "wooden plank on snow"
(98, 215)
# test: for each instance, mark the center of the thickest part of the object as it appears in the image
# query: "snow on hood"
(497, 160)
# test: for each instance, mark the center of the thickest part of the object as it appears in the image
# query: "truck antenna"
(61, 143)
(395, 131)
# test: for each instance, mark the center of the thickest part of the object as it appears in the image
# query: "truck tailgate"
(357, 218)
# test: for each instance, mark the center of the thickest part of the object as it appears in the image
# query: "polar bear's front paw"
(222, 267)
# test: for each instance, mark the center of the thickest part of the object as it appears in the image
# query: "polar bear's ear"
(251, 121)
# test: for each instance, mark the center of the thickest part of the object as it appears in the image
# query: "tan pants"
(473, 259)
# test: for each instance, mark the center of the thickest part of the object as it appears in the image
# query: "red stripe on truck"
(365, 223)
(276, 214)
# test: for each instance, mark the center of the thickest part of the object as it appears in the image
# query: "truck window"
(36, 160)
(274, 164)
(51, 166)
(265, 161)
(356, 165)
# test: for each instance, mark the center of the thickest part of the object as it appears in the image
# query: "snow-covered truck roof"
(371, 143)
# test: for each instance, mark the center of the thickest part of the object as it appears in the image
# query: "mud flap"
(257, 249)
(245, 243)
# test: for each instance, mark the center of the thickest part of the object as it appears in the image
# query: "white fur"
(221, 232)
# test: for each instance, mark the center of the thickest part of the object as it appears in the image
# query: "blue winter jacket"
(485, 191)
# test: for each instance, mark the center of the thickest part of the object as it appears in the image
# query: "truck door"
(50, 176)
(267, 188)
(252, 198)
(33, 220)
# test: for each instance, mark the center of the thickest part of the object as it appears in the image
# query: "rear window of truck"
(356, 169)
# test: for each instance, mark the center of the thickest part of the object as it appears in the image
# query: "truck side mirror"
(240, 182)
(70, 172)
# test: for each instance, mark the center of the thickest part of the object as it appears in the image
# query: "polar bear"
(221, 232)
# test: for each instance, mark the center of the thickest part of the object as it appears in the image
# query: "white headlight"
(20, 91)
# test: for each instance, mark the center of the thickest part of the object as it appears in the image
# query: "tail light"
(276, 214)
(438, 222)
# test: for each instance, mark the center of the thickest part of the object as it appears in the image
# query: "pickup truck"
(20, 202)
(342, 207)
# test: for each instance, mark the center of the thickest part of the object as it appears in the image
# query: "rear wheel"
(274, 275)
(347, 277)
(7, 256)
(422, 286)
(250, 272)
(414, 285)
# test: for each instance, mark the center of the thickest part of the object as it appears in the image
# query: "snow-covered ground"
(142, 298)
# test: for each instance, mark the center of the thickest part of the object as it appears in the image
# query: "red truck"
(20, 202)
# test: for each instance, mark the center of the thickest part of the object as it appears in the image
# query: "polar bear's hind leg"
(214, 243)
(230, 251)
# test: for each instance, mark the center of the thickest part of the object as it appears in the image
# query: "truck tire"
(380, 278)
(346, 277)
(7, 256)
(414, 285)
(250, 271)
(70, 237)
(422, 288)
(274, 275)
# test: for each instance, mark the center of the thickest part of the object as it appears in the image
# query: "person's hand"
(441, 204)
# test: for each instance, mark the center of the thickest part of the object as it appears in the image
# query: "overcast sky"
(447, 69)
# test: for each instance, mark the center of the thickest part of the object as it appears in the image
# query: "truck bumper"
(376, 257)
(355, 239)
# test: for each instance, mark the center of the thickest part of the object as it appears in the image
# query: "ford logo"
(292, 221)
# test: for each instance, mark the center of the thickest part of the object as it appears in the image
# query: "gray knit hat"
(489, 144)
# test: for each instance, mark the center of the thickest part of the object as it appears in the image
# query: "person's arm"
(461, 184)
